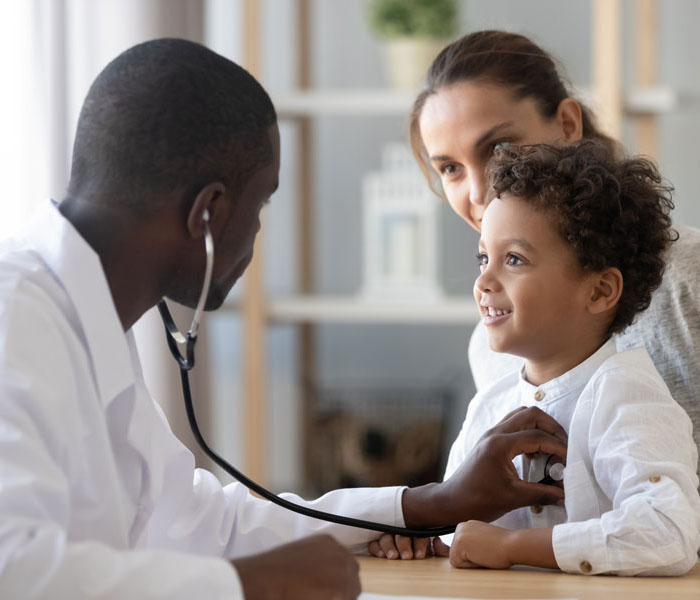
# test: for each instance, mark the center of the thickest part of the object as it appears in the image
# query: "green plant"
(418, 18)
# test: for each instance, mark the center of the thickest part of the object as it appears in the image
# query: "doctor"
(97, 497)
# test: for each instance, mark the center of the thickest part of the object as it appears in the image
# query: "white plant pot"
(408, 59)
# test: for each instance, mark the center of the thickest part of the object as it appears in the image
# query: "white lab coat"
(632, 504)
(97, 496)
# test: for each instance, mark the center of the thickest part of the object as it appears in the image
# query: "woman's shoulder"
(676, 303)
(682, 257)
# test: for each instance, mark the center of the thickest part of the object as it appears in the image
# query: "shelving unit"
(304, 105)
(350, 309)
(640, 101)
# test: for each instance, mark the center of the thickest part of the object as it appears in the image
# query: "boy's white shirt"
(632, 504)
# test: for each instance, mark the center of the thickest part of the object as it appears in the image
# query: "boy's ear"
(605, 291)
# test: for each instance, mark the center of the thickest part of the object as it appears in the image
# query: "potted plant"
(414, 31)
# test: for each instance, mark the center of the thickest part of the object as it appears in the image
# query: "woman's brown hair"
(503, 58)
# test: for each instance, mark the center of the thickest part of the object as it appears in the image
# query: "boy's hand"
(478, 544)
(406, 548)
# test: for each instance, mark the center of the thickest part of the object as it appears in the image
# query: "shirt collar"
(78, 269)
(573, 379)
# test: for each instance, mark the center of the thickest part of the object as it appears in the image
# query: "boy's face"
(531, 292)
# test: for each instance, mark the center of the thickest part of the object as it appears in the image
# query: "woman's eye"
(482, 259)
(447, 169)
(514, 261)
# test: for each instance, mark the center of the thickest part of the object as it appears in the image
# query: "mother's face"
(460, 126)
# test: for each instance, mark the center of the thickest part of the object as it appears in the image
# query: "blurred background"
(324, 369)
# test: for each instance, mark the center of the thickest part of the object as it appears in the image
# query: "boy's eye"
(514, 261)
(482, 259)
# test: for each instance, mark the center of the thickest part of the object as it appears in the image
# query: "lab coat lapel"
(76, 265)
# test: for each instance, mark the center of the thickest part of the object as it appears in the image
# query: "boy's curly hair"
(613, 213)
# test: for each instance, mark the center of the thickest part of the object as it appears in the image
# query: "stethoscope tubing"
(186, 363)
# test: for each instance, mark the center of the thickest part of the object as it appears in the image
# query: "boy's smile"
(493, 315)
(532, 294)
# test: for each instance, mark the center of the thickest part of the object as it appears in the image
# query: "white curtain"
(50, 51)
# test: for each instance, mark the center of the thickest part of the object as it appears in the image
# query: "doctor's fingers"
(539, 494)
(531, 417)
(510, 445)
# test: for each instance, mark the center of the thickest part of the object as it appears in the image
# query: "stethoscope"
(553, 470)
(186, 362)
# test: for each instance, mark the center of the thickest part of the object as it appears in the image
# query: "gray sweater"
(669, 329)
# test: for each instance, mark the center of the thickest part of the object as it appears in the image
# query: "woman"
(493, 87)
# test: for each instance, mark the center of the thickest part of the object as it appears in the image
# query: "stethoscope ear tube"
(172, 334)
(174, 337)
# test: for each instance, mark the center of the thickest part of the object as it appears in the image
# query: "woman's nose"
(477, 188)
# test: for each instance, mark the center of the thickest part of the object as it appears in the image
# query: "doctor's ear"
(605, 291)
(206, 207)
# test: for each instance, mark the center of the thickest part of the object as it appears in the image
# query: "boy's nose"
(484, 283)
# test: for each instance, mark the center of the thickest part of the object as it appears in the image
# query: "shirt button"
(539, 395)
(654, 478)
(535, 509)
(585, 566)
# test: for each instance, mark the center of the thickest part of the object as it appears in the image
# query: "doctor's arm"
(481, 482)
(38, 557)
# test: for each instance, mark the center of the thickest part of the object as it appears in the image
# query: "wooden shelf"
(651, 100)
(383, 102)
(356, 309)
(358, 102)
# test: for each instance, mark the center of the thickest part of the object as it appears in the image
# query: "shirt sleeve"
(37, 558)
(641, 457)
(260, 525)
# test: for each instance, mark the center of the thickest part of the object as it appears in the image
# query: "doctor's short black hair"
(166, 115)
(613, 212)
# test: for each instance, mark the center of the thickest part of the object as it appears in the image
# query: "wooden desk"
(435, 577)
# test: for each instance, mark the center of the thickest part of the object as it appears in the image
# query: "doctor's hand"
(313, 568)
(487, 485)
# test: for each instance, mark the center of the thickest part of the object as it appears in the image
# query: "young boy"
(571, 249)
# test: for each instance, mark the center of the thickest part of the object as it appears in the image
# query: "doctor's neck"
(129, 249)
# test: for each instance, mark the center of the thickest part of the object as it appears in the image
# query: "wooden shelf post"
(254, 326)
(606, 65)
(646, 70)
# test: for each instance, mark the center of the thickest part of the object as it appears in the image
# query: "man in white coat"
(98, 499)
